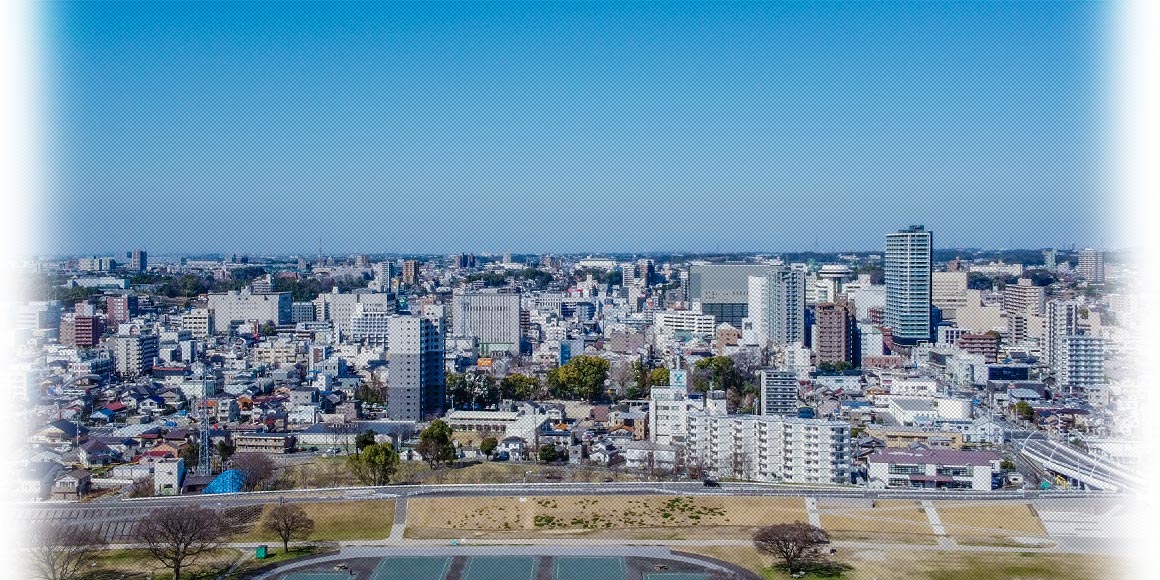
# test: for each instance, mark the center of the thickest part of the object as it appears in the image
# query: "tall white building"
(415, 380)
(1081, 362)
(1091, 265)
(198, 321)
(668, 414)
(234, 307)
(384, 273)
(370, 323)
(908, 270)
(1023, 298)
(1062, 320)
(777, 307)
(134, 353)
(339, 309)
(492, 317)
(681, 321)
(777, 392)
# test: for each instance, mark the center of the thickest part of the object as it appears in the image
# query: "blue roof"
(230, 481)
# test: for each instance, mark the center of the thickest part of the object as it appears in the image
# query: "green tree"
(488, 445)
(718, 370)
(190, 453)
(376, 465)
(658, 377)
(435, 443)
(519, 387)
(363, 440)
(289, 522)
(1024, 410)
(225, 450)
(582, 378)
(547, 453)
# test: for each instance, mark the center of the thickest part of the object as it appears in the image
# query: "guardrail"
(771, 489)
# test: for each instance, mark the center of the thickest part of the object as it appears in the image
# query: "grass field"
(900, 519)
(912, 565)
(335, 521)
(139, 564)
(996, 520)
(637, 517)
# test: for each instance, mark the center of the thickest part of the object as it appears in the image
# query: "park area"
(598, 516)
(887, 564)
(334, 521)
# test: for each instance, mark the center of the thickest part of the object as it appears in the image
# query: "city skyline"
(641, 126)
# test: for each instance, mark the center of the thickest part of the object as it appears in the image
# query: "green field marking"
(408, 568)
(500, 568)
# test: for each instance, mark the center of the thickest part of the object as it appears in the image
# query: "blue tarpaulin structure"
(230, 481)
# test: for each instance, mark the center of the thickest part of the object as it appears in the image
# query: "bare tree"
(257, 469)
(289, 522)
(177, 536)
(62, 551)
(795, 544)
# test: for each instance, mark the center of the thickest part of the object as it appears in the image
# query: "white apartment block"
(767, 448)
(134, 354)
(777, 392)
(370, 322)
(776, 306)
(1023, 298)
(1091, 266)
(684, 321)
(339, 309)
(492, 317)
(1062, 320)
(243, 306)
(198, 321)
(668, 414)
(1081, 362)
(770, 448)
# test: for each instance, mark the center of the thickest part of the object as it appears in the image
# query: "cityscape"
(987, 391)
(565, 290)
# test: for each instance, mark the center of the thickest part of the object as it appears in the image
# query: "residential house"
(72, 485)
(94, 452)
(35, 480)
(646, 455)
(60, 431)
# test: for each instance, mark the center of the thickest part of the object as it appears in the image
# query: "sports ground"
(506, 568)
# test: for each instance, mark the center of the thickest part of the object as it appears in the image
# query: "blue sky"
(554, 127)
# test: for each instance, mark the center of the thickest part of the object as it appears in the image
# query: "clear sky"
(555, 127)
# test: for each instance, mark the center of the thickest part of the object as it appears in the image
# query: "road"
(1046, 454)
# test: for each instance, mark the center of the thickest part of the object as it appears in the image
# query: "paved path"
(400, 523)
(812, 511)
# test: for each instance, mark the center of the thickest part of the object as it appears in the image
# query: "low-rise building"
(932, 468)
